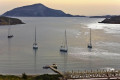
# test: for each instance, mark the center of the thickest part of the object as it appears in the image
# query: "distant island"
(37, 10)
(112, 20)
(9, 21)
(104, 16)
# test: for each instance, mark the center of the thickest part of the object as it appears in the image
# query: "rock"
(112, 20)
(9, 21)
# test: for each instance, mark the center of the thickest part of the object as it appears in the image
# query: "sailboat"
(9, 35)
(90, 44)
(64, 47)
(35, 43)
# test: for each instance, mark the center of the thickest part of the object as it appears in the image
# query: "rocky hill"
(9, 21)
(37, 10)
(112, 20)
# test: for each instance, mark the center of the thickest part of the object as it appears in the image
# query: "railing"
(91, 74)
(87, 74)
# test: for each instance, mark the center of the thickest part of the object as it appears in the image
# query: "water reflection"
(90, 58)
(9, 49)
(65, 58)
(89, 50)
(35, 58)
(9, 63)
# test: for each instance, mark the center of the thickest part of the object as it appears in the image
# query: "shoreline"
(30, 77)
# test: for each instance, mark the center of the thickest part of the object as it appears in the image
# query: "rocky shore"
(9, 21)
(112, 20)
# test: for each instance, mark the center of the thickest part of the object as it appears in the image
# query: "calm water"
(17, 55)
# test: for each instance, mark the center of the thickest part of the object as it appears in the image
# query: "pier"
(92, 75)
(88, 75)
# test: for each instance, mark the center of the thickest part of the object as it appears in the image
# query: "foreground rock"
(37, 10)
(9, 21)
(112, 20)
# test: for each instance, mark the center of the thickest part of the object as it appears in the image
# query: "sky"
(75, 7)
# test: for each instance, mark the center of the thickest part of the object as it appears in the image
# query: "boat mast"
(90, 37)
(9, 27)
(66, 40)
(35, 44)
(35, 35)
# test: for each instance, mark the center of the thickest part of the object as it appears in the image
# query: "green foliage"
(9, 77)
(47, 77)
(24, 76)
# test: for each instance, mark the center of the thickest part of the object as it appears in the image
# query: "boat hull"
(35, 46)
(46, 67)
(89, 46)
(63, 50)
(10, 36)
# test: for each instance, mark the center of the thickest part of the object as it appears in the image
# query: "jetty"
(88, 75)
(93, 75)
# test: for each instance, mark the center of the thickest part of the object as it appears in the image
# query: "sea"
(17, 55)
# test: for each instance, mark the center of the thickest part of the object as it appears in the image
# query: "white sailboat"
(9, 35)
(35, 46)
(90, 44)
(64, 47)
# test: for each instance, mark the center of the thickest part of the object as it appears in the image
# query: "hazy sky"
(80, 7)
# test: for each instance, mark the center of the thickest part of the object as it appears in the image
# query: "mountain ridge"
(37, 10)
